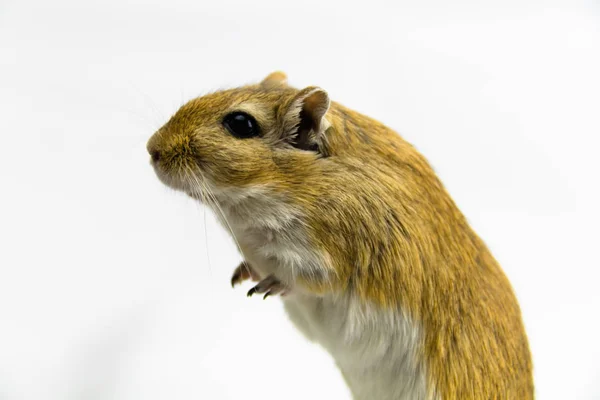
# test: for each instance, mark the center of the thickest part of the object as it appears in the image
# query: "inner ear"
(302, 140)
(311, 105)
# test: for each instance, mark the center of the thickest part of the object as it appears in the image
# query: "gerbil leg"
(269, 286)
(242, 272)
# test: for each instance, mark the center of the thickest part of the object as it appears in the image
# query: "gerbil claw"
(270, 286)
(243, 272)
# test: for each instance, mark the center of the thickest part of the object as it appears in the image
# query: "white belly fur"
(377, 351)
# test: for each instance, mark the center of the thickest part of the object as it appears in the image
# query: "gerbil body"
(347, 220)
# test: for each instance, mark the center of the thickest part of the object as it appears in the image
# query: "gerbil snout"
(176, 162)
(153, 150)
(165, 161)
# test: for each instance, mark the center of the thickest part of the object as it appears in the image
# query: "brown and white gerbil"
(347, 220)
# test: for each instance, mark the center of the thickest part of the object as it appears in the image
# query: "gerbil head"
(241, 137)
(326, 185)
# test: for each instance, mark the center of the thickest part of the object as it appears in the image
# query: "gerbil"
(349, 222)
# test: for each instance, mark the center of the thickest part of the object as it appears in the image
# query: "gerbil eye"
(241, 125)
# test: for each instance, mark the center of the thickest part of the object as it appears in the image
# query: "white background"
(115, 287)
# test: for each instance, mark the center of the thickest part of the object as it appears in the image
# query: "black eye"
(241, 125)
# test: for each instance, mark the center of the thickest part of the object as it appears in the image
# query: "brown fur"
(374, 205)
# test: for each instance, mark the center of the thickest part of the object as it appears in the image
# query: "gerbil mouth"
(190, 181)
(179, 170)
(166, 178)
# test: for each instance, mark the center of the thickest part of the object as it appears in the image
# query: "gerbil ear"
(304, 120)
(275, 79)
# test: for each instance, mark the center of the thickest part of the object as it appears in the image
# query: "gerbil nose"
(153, 151)
(155, 155)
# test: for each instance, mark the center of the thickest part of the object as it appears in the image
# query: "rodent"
(349, 223)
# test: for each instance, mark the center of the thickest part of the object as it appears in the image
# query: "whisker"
(211, 199)
(188, 174)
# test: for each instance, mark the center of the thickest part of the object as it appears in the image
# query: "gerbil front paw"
(269, 286)
(242, 272)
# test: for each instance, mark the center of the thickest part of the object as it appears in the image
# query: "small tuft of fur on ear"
(274, 79)
(304, 120)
